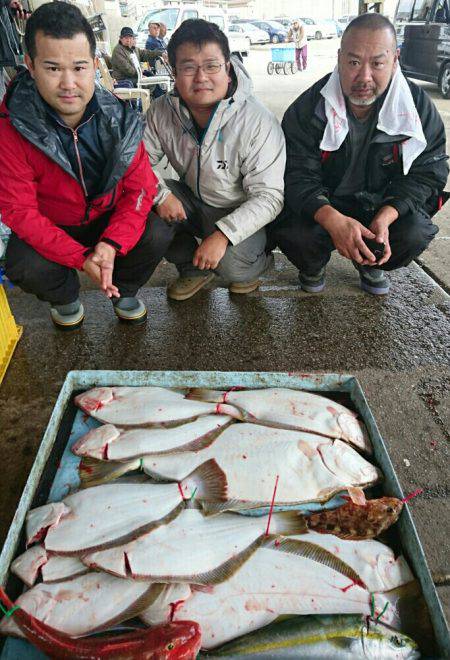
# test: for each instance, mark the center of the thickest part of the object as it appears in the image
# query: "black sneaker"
(373, 280)
(69, 316)
(130, 310)
(313, 283)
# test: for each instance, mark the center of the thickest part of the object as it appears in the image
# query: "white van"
(173, 15)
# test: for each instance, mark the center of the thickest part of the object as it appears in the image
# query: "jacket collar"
(119, 127)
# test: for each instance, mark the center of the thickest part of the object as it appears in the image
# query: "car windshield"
(168, 16)
(249, 26)
(307, 21)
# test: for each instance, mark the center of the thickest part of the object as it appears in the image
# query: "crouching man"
(229, 153)
(366, 161)
(76, 186)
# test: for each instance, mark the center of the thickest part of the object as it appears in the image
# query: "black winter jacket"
(9, 39)
(312, 175)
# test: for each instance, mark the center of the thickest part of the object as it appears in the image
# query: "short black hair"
(371, 22)
(59, 20)
(198, 32)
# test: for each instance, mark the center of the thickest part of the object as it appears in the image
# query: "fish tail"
(208, 481)
(203, 394)
(93, 472)
(288, 523)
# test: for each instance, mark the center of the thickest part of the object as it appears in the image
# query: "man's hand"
(347, 235)
(171, 209)
(380, 227)
(15, 5)
(211, 250)
(99, 267)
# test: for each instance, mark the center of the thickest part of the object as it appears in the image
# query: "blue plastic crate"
(283, 54)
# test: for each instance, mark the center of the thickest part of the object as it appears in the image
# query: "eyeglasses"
(191, 69)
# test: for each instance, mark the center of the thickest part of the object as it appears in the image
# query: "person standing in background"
(297, 34)
(153, 41)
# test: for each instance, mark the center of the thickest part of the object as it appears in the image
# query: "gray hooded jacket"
(239, 162)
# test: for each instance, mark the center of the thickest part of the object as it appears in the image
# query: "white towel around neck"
(398, 116)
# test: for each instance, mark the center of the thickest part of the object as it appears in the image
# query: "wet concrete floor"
(397, 346)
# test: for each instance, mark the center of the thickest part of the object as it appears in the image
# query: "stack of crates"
(10, 333)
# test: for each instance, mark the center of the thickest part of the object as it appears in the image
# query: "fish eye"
(170, 646)
(398, 642)
(390, 509)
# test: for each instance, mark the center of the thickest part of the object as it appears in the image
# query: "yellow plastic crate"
(10, 333)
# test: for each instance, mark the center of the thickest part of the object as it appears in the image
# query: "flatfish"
(291, 409)
(194, 548)
(85, 604)
(53, 568)
(291, 578)
(242, 464)
(108, 442)
(135, 406)
(103, 515)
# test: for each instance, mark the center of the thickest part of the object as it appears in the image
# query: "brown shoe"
(185, 287)
(244, 287)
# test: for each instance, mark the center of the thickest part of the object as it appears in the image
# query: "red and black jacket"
(312, 175)
(39, 190)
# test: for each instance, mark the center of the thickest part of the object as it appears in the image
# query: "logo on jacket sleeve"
(222, 164)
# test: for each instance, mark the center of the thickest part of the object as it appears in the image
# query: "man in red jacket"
(76, 186)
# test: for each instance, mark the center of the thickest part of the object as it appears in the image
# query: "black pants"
(308, 246)
(60, 285)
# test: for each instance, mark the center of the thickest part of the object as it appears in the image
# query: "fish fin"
(199, 443)
(357, 495)
(288, 523)
(217, 575)
(94, 472)
(210, 481)
(204, 394)
(315, 553)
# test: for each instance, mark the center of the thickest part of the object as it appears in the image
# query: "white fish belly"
(374, 562)
(62, 568)
(303, 410)
(141, 442)
(79, 606)
(102, 514)
(160, 610)
(252, 456)
(131, 406)
(268, 585)
(184, 549)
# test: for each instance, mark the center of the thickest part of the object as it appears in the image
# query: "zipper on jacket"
(80, 167)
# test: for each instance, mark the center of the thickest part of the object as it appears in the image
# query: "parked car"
(345, 20)
(333, 26)
(250, 32)
(175, 14)
(425, 52)
(276, 31)
(284, 20)
(318, 29)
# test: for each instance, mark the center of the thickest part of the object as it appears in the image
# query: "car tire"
(270, 68)
(275, 39)
(318, 35)
(444, 81)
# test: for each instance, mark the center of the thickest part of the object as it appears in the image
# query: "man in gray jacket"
(229, 153)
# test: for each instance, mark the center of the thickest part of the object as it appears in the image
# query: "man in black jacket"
(366, 164)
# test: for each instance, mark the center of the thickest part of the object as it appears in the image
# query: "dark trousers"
(60, 285)
(308, 246)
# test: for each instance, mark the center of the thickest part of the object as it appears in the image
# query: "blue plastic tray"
(65, 477)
